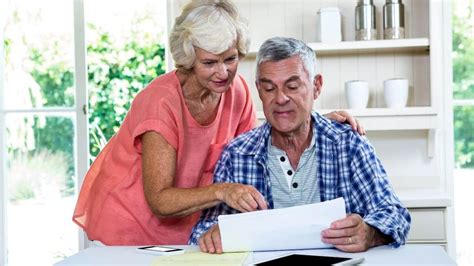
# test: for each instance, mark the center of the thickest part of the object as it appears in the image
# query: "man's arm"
(377, 216)
(375, 199)
(207, 221)
(209, 216)
(238, 197)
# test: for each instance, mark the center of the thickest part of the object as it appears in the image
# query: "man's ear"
(317, 85)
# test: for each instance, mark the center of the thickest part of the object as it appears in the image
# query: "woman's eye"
(231, 59)
(208, 63)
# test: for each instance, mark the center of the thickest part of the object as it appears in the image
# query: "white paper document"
(280, 229)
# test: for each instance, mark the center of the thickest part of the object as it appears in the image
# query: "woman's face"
(216, 72)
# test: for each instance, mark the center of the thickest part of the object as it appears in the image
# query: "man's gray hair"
(280, 48)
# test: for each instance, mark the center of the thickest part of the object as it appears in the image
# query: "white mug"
(395, 92)
(357, 93)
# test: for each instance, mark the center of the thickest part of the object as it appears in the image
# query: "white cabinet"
(428, 226)
(414, 143)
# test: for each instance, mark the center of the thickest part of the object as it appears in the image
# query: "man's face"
(287, 93)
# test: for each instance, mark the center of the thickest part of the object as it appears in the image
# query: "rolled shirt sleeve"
(374, 198)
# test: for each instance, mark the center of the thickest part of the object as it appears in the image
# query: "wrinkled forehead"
(282, 70)
(204, 54)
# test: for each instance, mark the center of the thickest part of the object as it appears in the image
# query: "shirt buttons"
(289, 172)
(295, 185)
(282, 158)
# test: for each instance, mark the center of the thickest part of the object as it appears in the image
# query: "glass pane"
(41, 188)
(463, 50)
(39, 54)
(125, 51)
(464, 136)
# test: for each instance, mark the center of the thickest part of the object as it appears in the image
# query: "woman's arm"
(159, 168)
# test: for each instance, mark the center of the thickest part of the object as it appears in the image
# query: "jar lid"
(328, 9)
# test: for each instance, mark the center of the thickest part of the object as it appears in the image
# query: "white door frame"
(3, 183)
(81, 137)
(82, 130)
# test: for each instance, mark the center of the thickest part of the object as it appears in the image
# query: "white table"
(405, 255)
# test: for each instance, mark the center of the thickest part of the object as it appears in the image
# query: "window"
(463, 107)
(38, 107)
(125, 51)
(46, 88)
(463, 87)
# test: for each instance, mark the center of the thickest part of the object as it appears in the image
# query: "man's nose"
(281, 97)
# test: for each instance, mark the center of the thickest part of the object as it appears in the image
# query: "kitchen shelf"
(380, 119)
(409, 118)
(424, 198)
(351, 47)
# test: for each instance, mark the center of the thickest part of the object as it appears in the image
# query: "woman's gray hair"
(212, 25)
(280, 48)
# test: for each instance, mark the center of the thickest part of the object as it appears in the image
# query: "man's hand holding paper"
(297, 227)
(352, 234)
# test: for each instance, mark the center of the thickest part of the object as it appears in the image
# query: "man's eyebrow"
(292, 78)
(265, 80)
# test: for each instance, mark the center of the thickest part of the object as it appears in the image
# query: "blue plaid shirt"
(347, 167)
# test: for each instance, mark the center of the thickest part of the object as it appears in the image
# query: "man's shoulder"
(330, 128)
(249, 141)
(338, 133)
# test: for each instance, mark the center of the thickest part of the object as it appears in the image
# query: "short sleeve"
(157, 126)
(248, 119)
(154, 110)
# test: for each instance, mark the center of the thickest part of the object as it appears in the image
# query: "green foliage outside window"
(463, 87)
(116, 73)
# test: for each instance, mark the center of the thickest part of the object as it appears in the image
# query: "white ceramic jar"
(328, 28)
(357, 94)
(395, 92)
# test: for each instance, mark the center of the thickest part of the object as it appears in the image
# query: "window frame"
(78, 115)
(82, 120)
(3, 190)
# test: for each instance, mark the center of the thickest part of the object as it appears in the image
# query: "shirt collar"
(257, 142)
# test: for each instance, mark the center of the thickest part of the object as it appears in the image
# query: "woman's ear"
(317, 84)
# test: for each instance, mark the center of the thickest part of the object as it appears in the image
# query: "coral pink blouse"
(111, 206)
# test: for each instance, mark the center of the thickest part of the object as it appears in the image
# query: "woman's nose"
(221, 70)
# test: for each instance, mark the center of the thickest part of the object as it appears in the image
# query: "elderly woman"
(150, 182)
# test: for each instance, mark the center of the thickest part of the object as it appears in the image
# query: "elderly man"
(299, 157)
